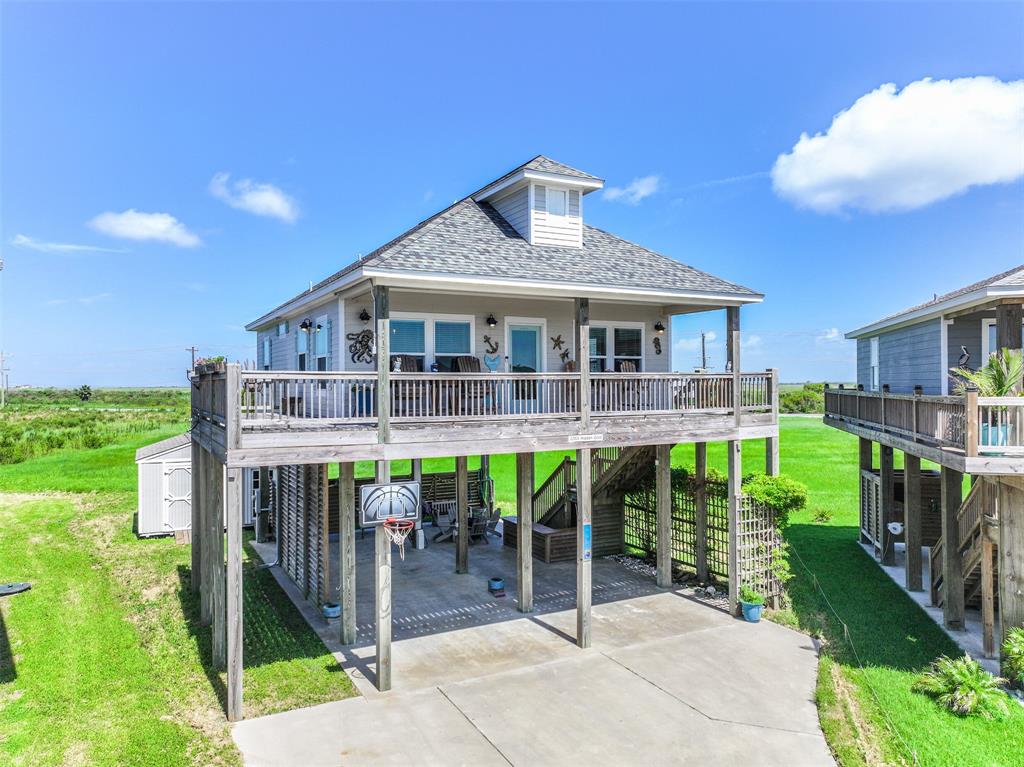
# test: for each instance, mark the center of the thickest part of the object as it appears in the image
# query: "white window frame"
(428, 320)
(268, 353)
(282, 328)
(542, 356)
(610, 350)
(874, 370)
(321, 321)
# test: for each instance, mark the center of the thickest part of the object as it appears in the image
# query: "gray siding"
(966, 331)
(515, 208)
(283, 348)
(864, 362)
(907, 357)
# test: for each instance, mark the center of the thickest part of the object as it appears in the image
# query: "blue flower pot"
(994, 436)
(751, 613)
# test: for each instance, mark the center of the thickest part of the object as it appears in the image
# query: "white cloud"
(135, 225)
(899, 150)
(84, 300)
(636, 190)
(750, 342)
(24, 241)
(693, 344)
(830, 335)
(253, 197)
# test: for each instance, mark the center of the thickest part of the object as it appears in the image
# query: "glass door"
(524, 344)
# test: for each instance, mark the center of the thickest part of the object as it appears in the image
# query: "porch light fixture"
(364, 315)
(308, 325)
(659, 327)
(491, 322)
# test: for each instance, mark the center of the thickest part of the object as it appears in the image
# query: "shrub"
(1013, 656)
(84, 392)
(750, 596)
(822, 516)
(964, 687)
(783, 494)
(802, 401)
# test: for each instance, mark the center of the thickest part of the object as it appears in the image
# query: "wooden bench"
(549, 545)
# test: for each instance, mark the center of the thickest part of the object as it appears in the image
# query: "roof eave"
(931, 311)
(586, 185)
(324, 291)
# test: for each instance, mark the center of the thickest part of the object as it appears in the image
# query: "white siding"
(515, 208)
(282, 348)
(353, 326)
(567, 230)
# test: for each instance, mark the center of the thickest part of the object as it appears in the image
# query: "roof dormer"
(543, 201)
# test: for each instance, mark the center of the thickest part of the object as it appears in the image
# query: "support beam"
(219, 605)
(234, 594)
(347, 549)
(952, 570)
(771, 444)
(732, 352)
(735, 489)
(524, 530)
(663, 493)
(887, 501)
(912, 520)
(382, 583)
(1011, 558)
(263, 512)
(1008, 327)
(582, 328)
(988, 608)
(419, 539)
(584, 544)
(382, 340)
(205, 538)
(700, 503)
(462, 510)
(195, 529)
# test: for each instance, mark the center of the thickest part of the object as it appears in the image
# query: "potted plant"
(1000, 376)
(752, 603)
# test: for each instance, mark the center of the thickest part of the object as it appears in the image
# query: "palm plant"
(1013, 655)
(1001, 376)
(964, 687)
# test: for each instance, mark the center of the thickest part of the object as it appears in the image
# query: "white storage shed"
(165, 487)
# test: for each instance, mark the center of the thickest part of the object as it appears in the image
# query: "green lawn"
(104, 662)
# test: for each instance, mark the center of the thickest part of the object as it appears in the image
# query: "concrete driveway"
(669, 680)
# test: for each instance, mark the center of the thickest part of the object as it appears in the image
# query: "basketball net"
(397, 531)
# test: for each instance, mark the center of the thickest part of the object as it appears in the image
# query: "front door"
(524, 346)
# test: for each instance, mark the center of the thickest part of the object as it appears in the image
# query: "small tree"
(84, 392)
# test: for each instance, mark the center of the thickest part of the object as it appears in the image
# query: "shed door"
(177, 496)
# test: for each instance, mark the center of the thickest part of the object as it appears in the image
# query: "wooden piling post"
(663, 493)
(347, 550)
(887, 479)
(771, 444)
(382, 582)
(462, 510)
(912, 520)
(196, 502)
(584, 545)
(732, 322)
(1011, 557)
(700, 504)
(263, 513)
(524, 530)
(205, 536)
(582, 328)
(952, 569)
(219, 602)
(735, 489)
(234, 594)
(988, 609)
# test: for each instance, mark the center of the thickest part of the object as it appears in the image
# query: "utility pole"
(192, 349)
(3, 380)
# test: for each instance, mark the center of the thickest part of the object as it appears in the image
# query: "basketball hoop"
(397, 531)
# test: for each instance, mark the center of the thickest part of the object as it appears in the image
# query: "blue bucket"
(751, 613)
(331, 610)
(495, 584)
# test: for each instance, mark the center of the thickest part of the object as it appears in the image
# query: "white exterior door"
(177, 496)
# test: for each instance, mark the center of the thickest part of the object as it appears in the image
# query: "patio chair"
(472, 396)
(630, 391)
(444, 519)
(407, 399)
(478, 521)
(492, 524)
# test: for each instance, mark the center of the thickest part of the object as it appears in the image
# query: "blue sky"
(365, 119)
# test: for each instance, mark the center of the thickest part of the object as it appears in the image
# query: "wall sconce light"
(364, 315)
(309, 327)
(491, 322)
(659, 327)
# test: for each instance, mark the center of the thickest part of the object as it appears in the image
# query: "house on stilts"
(503, 324)
(963, 553)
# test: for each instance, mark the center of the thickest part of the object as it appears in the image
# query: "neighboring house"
(919, 346)
(505, 323)
(907, 399)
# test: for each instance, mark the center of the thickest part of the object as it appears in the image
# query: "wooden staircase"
(976, 520)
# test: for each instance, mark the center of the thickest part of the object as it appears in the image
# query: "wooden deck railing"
(266, 397)
(975, 425)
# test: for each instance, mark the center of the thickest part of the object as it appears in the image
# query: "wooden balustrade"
(938, 420)
(1000, 426)
(312, 396)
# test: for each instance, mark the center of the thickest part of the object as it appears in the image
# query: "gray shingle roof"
(163, 446)
(471, 238)
(1010, 278)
